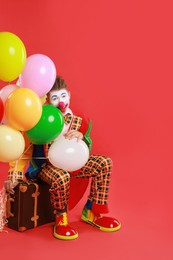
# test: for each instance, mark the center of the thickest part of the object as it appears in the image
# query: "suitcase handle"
(8, 207)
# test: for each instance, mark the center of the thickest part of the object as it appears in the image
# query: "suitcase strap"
(35, 196)
(23, 188)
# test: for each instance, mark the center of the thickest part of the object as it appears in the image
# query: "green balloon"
(48, 127)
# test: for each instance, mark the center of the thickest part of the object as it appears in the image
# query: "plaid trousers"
(98, 167)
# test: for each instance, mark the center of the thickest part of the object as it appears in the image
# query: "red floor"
(143, 205)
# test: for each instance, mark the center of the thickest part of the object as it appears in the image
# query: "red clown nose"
(61, 105)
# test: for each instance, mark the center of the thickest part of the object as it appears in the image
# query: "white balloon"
(69, 155)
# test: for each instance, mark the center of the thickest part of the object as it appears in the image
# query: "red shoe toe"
(107, 224)
(65, 232)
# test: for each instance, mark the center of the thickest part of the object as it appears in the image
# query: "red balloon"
(1, 109)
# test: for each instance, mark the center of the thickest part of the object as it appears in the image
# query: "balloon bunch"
(21, 107)
(21, 104)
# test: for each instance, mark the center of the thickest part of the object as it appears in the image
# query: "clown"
(98, 168)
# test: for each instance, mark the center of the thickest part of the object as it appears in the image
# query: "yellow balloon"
(23, 109)
(12, 144)
(12, 56)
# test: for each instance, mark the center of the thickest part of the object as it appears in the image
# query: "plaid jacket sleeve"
(76, 123)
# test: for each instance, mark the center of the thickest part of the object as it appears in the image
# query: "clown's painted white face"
(60, 98)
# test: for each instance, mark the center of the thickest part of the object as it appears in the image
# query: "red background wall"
(116, 57)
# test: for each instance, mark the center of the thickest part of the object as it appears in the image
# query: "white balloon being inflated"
(69, 155)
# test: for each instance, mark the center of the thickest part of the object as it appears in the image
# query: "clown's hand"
(74, 134)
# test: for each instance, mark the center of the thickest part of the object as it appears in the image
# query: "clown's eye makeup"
(54, 97)
(63, 95)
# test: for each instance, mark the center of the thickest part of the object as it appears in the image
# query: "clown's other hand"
(74, 134)
(9, 186)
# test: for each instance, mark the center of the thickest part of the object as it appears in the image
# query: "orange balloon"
(23, 109)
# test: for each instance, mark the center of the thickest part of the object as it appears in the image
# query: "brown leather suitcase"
(29, 206)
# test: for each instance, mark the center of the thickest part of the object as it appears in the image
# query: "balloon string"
(14, 177)
(3, 200)
(24, 158)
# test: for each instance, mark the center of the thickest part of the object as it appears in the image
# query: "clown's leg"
(59, 190)
(100, 169)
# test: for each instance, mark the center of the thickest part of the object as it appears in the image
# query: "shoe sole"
(100, 227)
(64, 237)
